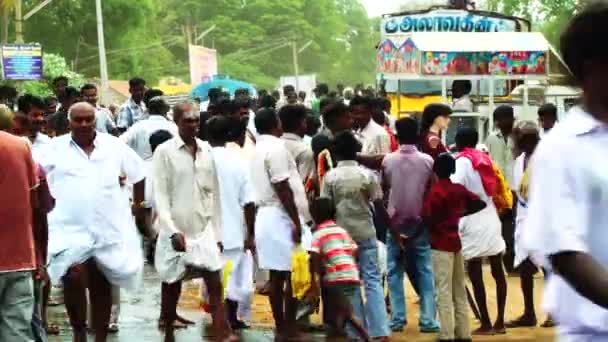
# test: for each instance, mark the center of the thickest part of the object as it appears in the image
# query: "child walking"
(333, 254)
(352, 188)
(445, 204)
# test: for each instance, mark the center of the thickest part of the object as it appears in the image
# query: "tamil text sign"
(203, 64)
(446, 21)
(22, 62)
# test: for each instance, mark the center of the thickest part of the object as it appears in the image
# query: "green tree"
(150, 38)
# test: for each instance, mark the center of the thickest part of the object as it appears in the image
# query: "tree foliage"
(149, 38)
(548, 16)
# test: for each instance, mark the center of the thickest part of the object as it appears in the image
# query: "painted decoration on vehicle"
(397, 58)
(484, 63)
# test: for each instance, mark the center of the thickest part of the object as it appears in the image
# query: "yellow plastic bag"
(300, 273)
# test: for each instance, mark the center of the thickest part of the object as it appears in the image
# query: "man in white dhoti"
(480, 233)
(237, 203)
(185, 193)
(91, 245)
(282, 202)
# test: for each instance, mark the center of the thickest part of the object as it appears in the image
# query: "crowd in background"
(250, 181)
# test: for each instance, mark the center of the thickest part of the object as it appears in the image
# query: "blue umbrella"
(226, 84)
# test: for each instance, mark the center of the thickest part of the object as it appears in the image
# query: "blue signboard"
(22, 62)
(446, 21)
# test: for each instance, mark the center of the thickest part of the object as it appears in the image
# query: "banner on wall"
(21, 62)
(203, 64)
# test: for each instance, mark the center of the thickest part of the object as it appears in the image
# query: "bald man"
(93, 243)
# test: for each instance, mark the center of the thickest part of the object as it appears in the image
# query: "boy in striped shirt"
(333, 255)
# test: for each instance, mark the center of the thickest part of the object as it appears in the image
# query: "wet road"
(139, 314)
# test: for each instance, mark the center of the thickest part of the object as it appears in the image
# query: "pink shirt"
(407, 172)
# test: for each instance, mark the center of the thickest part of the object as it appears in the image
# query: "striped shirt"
(336, 249)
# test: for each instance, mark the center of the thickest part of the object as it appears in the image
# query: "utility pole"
(19, 22)
(103, 65)
(20, 18)
(294, 50)
(296, 69)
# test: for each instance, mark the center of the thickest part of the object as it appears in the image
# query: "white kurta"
(480, 233)
(567, 212)
(522, 213)
(185, 191)
(91, 218)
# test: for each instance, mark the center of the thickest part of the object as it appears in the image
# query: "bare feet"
(184, 320)
(524, 321)
(177, 324)
(52, 329)
(231, 338)
(483, 331)
(549, 323)
(265, 290)
(499, 328)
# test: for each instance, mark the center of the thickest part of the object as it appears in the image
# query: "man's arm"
(124, 118)
(373, 162)
(584, 274)
(474, 204)
(285, 194)
(249, 210)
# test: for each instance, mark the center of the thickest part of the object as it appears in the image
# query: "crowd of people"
(240, 178)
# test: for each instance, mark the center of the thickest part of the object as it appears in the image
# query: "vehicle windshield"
(433, 88)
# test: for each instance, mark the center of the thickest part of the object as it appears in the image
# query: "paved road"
(140, 310)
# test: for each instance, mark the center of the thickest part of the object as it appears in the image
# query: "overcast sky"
(378, 7)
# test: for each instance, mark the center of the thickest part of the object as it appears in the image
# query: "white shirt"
(273, 164)
(375, 139)
(463, 104)
(502, 154)
(203, 106)
(103, 120)
(138, 135)
(301, 153)
(87, 191)
(469, 178)
(185, 188)
(251, 125)
(39, 144)
(567, 211)
(235, 191)
(522, 204)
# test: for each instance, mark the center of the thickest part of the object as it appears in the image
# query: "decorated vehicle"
(455, 16)
(494, 58)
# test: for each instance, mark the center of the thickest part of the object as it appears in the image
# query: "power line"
(166, 43)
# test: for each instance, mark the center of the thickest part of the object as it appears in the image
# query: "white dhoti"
(274, 243)
(202, 253)
(481, 235)
(240, 282)
(120, 262)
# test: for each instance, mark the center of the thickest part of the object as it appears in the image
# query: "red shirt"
(393, 138)
(17, 180)
(445, 204)
(431, 139)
